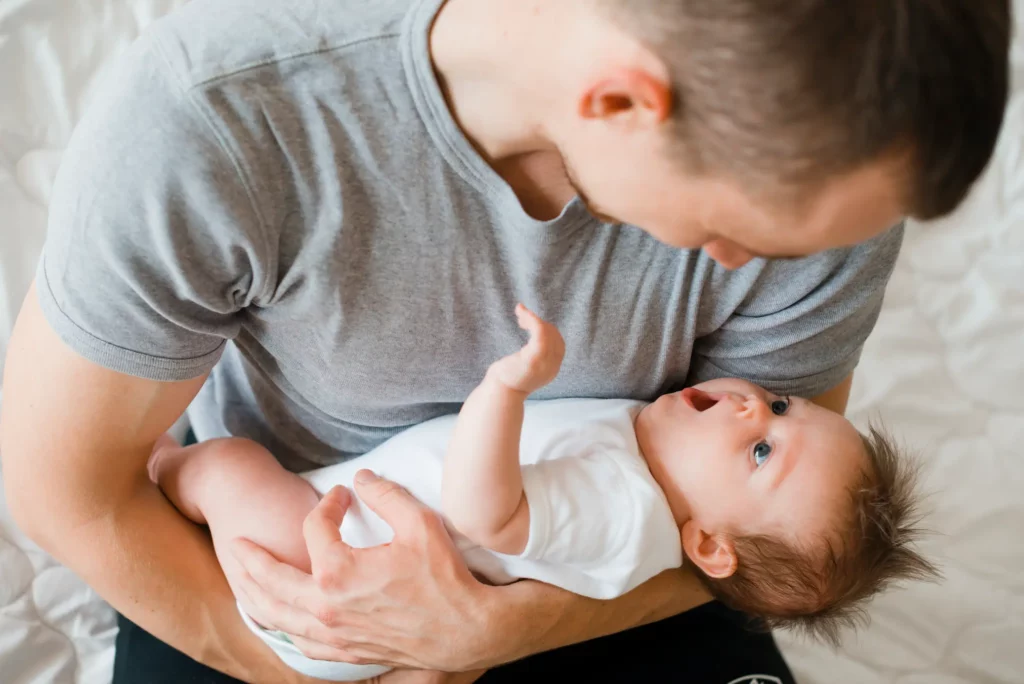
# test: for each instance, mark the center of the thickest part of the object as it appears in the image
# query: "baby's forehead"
(835, 458)
(840, 443)
(832, 428)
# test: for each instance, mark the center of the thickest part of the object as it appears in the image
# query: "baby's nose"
(755, 407)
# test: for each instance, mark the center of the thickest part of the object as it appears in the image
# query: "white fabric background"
(945, 368)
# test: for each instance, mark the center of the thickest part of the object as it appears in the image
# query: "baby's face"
(736, 459)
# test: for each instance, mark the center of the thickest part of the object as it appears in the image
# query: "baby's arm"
(238, 489)
(482, 488)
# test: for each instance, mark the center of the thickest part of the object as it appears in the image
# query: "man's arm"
(538, 617)
(75, 439)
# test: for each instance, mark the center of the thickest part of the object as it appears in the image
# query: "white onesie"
(599, 523)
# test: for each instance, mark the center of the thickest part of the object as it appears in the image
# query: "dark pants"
(707, 645)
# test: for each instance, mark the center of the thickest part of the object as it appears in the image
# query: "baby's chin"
(647, 412)
(738, 385)
(653, 418)
(641, 426)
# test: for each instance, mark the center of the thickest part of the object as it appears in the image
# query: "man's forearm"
(75, 438)
(532, 617)
(160, 571)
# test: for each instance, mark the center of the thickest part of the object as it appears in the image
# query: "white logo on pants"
(757, 679)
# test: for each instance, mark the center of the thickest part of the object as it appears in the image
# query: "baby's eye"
(761, 453)
(780, 406)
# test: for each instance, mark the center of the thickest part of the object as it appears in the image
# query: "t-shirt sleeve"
(601, 517)
(802, 329)
(154, 246)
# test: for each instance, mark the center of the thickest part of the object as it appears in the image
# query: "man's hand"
(410, 603)
(538, 362)
(413, 603)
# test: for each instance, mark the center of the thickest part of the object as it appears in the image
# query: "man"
(338, 203)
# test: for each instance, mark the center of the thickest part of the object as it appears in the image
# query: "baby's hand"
(537, 363)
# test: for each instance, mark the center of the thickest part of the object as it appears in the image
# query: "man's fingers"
(349, 653)
(266, 570)
(267, 611)
(276, 614)
(273, 615)
(273, 578)
(322, 532)
(396, 506)
(301, 611)
(319, 651)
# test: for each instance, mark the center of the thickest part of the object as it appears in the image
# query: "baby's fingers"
(528, 320)
(541, 332)
(545, 340)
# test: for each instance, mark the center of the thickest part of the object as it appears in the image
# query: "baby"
(781, 507)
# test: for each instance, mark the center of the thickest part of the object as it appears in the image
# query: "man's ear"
(715, 554)
(628, 95)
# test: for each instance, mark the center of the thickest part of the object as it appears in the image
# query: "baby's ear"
(715, 554)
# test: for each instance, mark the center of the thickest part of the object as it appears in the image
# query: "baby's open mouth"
(699, 400)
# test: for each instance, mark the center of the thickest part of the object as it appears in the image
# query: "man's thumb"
(365, 477)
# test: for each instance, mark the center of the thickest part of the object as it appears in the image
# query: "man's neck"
(497, 62)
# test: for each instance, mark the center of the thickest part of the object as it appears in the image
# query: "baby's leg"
(238, 489)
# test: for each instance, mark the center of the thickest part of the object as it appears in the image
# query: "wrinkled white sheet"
(945, 367)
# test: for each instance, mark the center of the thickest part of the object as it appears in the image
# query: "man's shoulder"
(209, 40)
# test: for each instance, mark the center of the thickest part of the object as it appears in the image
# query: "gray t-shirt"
(280, 187)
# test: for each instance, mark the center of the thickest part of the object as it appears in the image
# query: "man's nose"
(727, 253)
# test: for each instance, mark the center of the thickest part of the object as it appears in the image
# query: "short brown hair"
(823, 589)
(783, 94)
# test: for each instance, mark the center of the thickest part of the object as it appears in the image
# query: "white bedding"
(945, 367)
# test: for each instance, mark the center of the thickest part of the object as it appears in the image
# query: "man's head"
(783, 127)
(785, 510)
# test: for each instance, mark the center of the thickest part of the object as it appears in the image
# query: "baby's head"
(785, 510)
